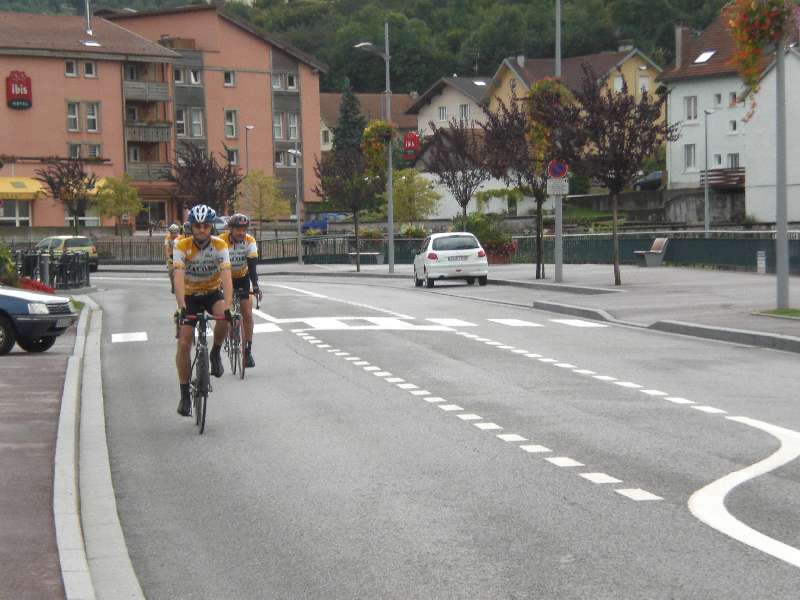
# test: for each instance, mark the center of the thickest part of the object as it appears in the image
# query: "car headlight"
(37, 308)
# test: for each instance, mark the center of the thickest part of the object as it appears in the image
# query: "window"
(455, 242)
(131, 73)
(70, 68)
(443, 113)
(233, 156)
(93, 151)
(280, 158)
(90, 69)
(292, 126)
(619, 83)
(180, 122)
(72, 117)
(718, 160)
(229, 79)
(732, 126)
(133, 154)
(177, 74)
(195, 78)
(326, 137)
(733, 160)
(644, 84)
(92, 117)
(74, 150)
(717, 100)
(277, 81)
(131, 113)
(291, 159)
(197, 122)
(463, 112)
(15, 213)
(690, 108)
(291, 81)
(689, 157)
(732, 99)
(277, 125)
(231, 123)
(703, 58)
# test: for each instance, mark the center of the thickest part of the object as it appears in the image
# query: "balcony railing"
(148, 171)
(148, 91)
(724, 179)
(148, 132)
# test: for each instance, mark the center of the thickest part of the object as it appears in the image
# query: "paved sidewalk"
(30, 401)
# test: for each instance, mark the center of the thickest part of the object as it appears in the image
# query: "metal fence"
(62, 271)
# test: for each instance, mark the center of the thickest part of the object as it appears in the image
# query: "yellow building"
(637, 69)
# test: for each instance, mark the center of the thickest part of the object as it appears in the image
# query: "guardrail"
(59, 271)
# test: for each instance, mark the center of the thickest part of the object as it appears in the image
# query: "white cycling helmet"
(202, 214)
(174, 228)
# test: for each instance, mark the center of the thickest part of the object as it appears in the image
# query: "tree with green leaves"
(348, 135)
(414, 197)
(71, 184)
(116, 197)
(605, 134)
(261, 198)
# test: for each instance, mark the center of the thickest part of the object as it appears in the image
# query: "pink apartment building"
(131, 94)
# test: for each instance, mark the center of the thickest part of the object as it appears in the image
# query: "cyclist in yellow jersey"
(172, 234)
(243, 253)
(202, 266)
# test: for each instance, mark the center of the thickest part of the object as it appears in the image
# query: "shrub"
(488, 228)
(8, 270)
(413, 231)
(370, 234)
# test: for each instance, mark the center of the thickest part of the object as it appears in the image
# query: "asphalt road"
(361, 458)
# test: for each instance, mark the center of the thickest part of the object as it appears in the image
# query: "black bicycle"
(234, 341)
(200, 377)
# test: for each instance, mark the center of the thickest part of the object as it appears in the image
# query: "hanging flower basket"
(755, 25)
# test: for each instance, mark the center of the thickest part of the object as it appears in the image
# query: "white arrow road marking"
(708, 503)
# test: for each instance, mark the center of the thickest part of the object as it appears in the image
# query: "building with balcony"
(68, 93)
(243, 95)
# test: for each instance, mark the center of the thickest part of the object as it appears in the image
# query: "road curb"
(555, 287)
(597, 314)
(106, 551)
(737, 336)
(75, 573)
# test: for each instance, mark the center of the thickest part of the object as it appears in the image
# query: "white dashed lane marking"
(679, 400)
(516, 323)
(627, 384)
(406, 386)
(564, 461)
(420, 393)
(512, 437)
(535, 448)
(452, 323)
(654, 393)
(600, 478)
(450, 407)
(433, 399)
(135, 336)
(638, 495)
(469, 417)
(709, 409)
(487, 426)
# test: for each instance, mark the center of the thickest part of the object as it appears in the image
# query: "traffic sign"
(557, 186)
(557, 169)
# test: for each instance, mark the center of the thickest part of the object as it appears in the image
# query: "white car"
(450, 256)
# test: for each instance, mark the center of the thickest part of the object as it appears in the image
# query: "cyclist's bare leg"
(182, 357)
(220, 327)
(247, 318)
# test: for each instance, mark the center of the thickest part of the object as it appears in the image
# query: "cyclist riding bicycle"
(243, 253)
(172, 235)
(202, 265)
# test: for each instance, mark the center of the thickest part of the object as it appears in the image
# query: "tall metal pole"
(781, 227)
(246, 151)
(389, 194)
(559, 244)
(297, 204)
(706, 205)
(558, 38)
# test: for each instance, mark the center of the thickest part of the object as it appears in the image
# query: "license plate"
(457, 258)
(61, 323)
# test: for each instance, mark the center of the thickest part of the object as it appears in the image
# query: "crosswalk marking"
(452, 322)
(515, 323)
(265, 328)
(135, 336)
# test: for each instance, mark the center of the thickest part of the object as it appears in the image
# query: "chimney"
(679, 29)
(521, 60)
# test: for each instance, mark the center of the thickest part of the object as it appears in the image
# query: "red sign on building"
(411, 145)
(19, 93)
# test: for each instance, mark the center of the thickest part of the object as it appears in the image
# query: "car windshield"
(455, 242)
(44, 244)
(77, 242)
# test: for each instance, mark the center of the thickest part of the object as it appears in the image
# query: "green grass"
(785, 312)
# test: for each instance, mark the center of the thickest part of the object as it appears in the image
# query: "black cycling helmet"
(239, 220)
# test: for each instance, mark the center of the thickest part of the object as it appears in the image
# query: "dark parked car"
(31, 319)
(651, 181)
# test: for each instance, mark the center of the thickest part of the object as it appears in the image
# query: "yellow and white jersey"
(239, 252)
(203, 266)
(169, 242)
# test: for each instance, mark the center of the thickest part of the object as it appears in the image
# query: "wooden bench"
(377, 255)
(653, 257)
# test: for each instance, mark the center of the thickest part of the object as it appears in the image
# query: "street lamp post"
(370, 47)
(247, 130)
(558, 38)
(781, 206)
(297, 155)
(706, 194)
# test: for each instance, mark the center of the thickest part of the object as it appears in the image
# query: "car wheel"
(36, 344)
(7, 336)
(470, 280)
(429, 282)
(483, 280)
(417, 282)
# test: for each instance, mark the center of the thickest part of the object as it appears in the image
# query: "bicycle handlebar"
(207, 317)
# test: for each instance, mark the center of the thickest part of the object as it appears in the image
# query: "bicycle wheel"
(201, 388)
(239, 326)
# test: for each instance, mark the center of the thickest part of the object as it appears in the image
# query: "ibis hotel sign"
(19, 93)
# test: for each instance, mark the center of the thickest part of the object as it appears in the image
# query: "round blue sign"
(557, 169)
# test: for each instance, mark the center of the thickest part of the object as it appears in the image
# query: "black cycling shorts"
(241, 287)
(197, 303)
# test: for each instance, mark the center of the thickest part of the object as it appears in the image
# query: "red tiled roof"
(716, 37)
(372, 107)
(571, 68)
(57, 33)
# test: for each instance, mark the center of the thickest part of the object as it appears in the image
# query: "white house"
(450, 97)
(704, 88)
(761, 144)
